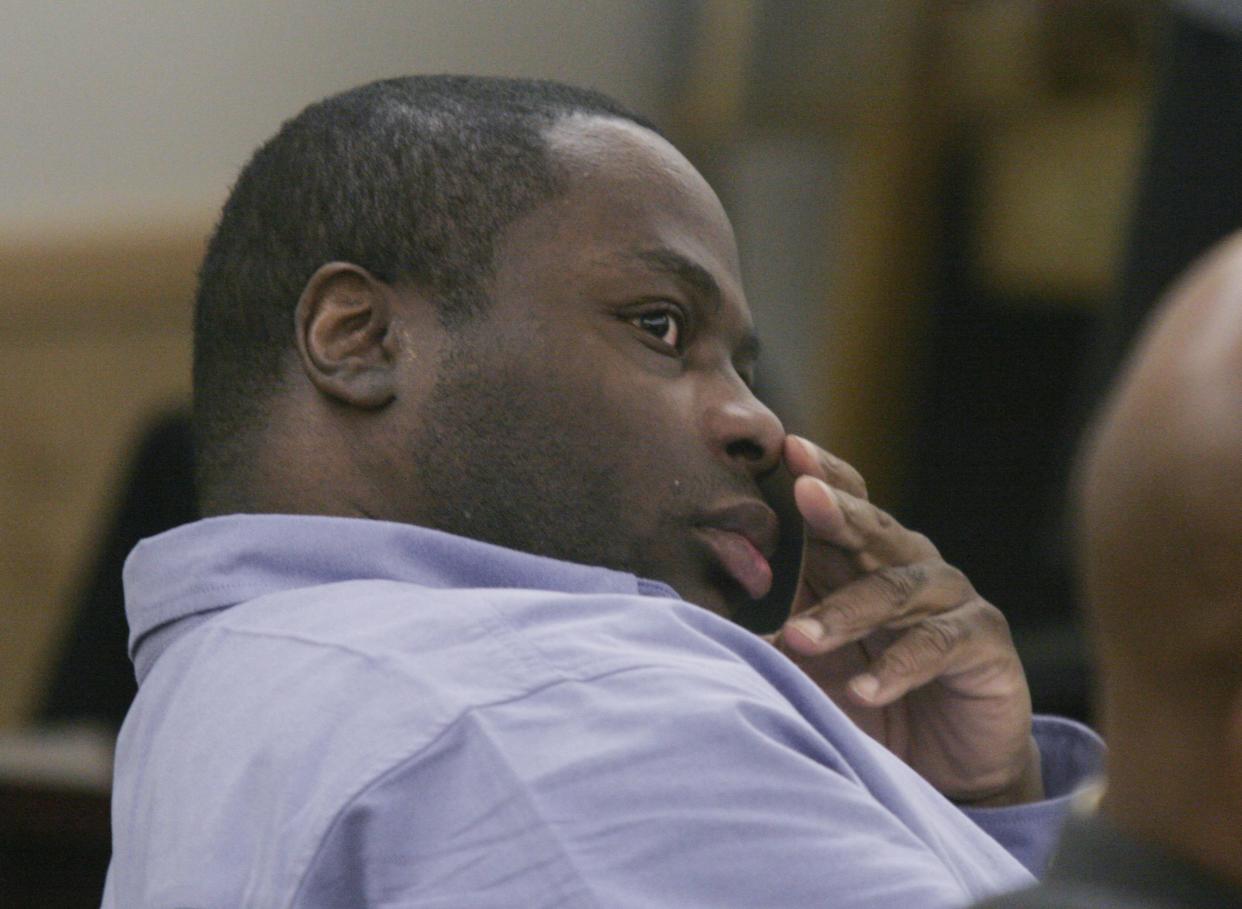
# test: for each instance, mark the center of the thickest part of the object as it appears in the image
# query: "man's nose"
(745, 431)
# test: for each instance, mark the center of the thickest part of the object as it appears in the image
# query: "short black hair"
(411, 178)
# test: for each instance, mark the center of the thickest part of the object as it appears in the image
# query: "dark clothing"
(93, 678)
(1190, 187)
(1099, 867)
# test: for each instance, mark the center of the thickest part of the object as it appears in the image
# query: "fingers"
(925, 652)
(805, 458)
(942, 627)
(892, 597)
(969, 648)
(903, 593)
(838, 518)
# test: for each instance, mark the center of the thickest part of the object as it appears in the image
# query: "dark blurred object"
(1190, 188)
(54, 846)
(1003, 379)
(991, 472)
(1088, 47)
(93, 679)
(55, 838)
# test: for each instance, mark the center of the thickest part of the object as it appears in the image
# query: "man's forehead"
(626, 189)
(590, 142)
(634, 164)
(633, 204)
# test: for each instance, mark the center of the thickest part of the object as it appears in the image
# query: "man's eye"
(663, 324)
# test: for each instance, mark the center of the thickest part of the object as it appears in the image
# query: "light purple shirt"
(346, 713)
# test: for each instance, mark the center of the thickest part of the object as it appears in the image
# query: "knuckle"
(897, 585)
(950, 587)
(900, 661)
(992, 619)
(919, 573)
(847, 614)
(848, 503)
(850, 479)
(859, 516)
(938, 638)
(955, 577)
(923, 543)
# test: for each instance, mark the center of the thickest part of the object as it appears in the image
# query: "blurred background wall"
(930, 199)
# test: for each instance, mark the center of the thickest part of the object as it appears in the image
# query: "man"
(472, 404)
(1161, 528)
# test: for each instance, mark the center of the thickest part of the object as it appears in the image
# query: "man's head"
(516, 317)
(1161, 492)
(1160, 523)
(412, 179)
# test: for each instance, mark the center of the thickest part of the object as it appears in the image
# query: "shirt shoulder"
(493, 642)
(275, 714)
(496, 641)
(641, 787)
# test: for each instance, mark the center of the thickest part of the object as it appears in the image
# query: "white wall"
(118, 112)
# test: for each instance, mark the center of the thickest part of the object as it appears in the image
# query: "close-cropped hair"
(411, 178)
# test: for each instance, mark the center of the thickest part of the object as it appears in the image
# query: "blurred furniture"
(1190, 184)
(54, 846)
(95, 338)
(92, 678)
(55, 776)
(54, 816)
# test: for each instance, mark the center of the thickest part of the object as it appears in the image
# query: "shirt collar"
(199, 568)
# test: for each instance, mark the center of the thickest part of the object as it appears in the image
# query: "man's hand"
(903, 644)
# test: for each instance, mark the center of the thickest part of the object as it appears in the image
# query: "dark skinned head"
(1160, 494)
(597, 408)
(411, 179)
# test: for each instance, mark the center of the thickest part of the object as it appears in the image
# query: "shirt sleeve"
(1071, 755)
(640, 788)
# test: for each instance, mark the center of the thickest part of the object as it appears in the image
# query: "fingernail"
(865, 686)
(808, 629)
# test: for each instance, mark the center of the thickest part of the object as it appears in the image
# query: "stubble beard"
(504, 462)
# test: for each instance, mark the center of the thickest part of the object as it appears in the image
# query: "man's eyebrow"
(685, 270)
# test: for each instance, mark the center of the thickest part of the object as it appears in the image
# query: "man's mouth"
(742, 538)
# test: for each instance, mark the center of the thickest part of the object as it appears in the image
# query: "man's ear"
(345, 336)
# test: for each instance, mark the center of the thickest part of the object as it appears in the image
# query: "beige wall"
(116, 109)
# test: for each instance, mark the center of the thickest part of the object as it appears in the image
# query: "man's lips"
(742, 538)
